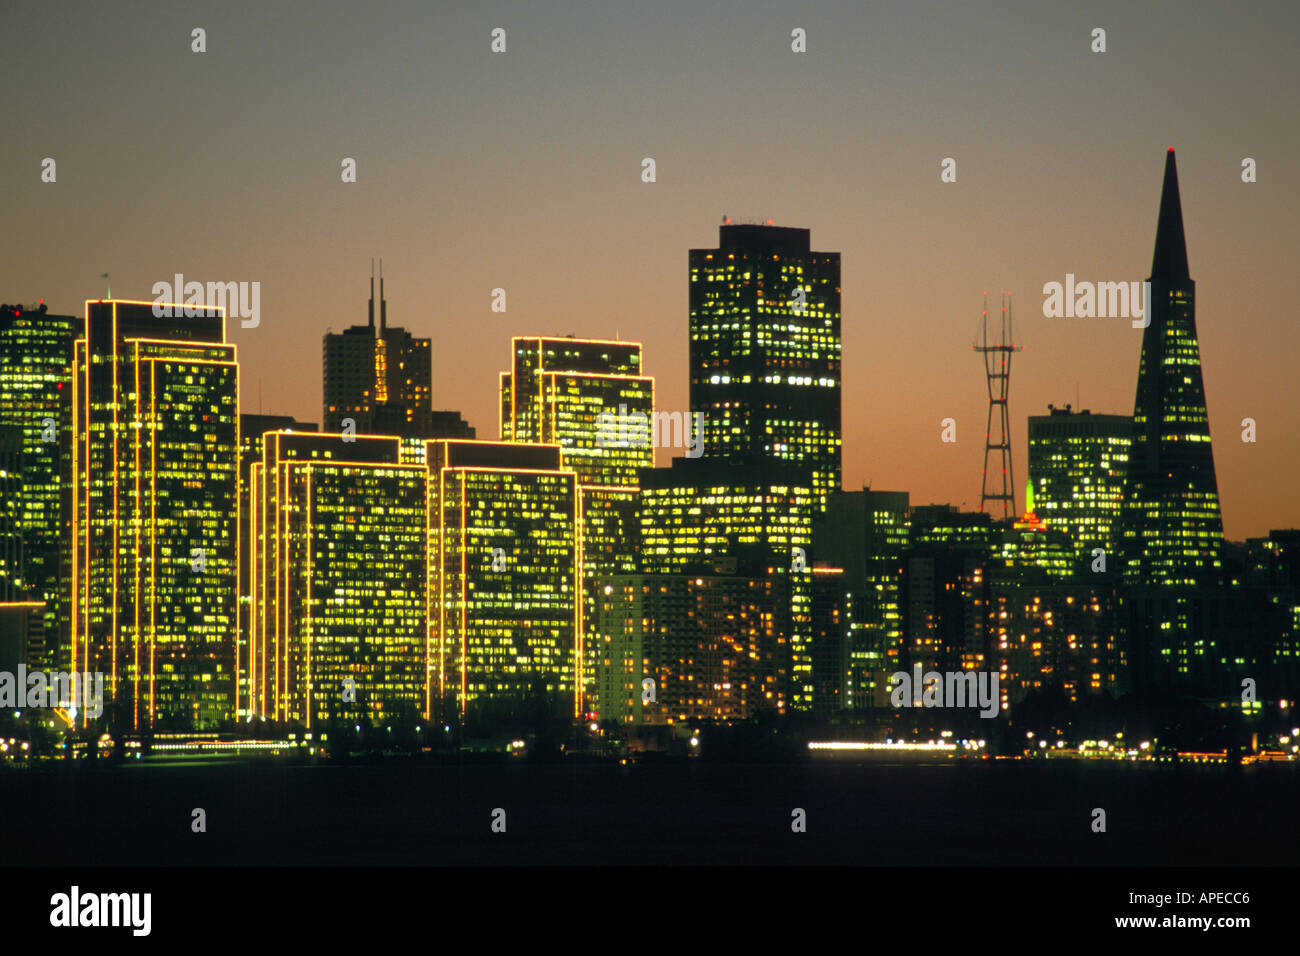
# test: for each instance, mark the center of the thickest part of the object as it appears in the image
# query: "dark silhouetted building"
(380, 377)
(866, 534)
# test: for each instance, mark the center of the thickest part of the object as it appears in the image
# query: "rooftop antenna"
(110, 286)
(383, 302)
(372, 293)
(998, 372)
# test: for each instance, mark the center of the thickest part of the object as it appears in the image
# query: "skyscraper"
(252, 431)
(505, 576)
(701, 512)
(573, 393)
(1077, 463)
(765, 350)
(1052, 621)
(866, 533)
(155, 535)
(13, 586)
(945, 588)
(709, 641)
(380, 377)
(36, 398)
(1172, 529)
(339, 579)
(556, 391)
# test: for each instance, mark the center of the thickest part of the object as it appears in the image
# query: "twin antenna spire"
(383, 302)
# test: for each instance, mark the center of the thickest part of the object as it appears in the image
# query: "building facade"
(1171, 545)
(36, 398)
(589, 397)
(701, 512)
(378, 377)
(708, 643)
(505, 576)
(765, 351)
(1077, 464)
(866, 533)
(156, 512)
(338, 581)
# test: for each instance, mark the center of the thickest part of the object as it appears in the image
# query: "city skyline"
(770, 440)
(1046, 191)
(543, 569)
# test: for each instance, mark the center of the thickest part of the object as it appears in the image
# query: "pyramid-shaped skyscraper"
(1172, 532)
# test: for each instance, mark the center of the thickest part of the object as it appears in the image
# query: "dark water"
(1012, 813)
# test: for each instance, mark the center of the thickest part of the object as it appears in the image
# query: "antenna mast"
(997, 368)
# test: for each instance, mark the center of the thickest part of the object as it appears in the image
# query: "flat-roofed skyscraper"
(765, 350)
(557, 391)
(866, 533)
(36, 399)
(505, 577)
(1077, 463)
(705, 513)
(589, 397)
(156, 512)
(338, 580)
(12, 586)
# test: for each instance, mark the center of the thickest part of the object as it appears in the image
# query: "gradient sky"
(522, 170)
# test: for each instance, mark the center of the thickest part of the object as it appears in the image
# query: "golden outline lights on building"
(505, 574)
(155, 554)
(557, 391)
(340, 542)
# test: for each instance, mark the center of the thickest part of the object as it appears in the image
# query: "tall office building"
(589, 397)
(1030, 543)
(505, 576)
(945, 588)
(1077, 463)
(36, 397)
(1172, 529)
(1179, 630)
(338, 580)
(380, 377)
(557, 391)
(703, 511)
(866, 533)
(156, 512)
(1052, 621)
(709, 641)
(252, 430)
(765, 351)
(13, 583)
(1273, 567)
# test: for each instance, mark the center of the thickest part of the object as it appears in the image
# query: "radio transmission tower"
(997, 366)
